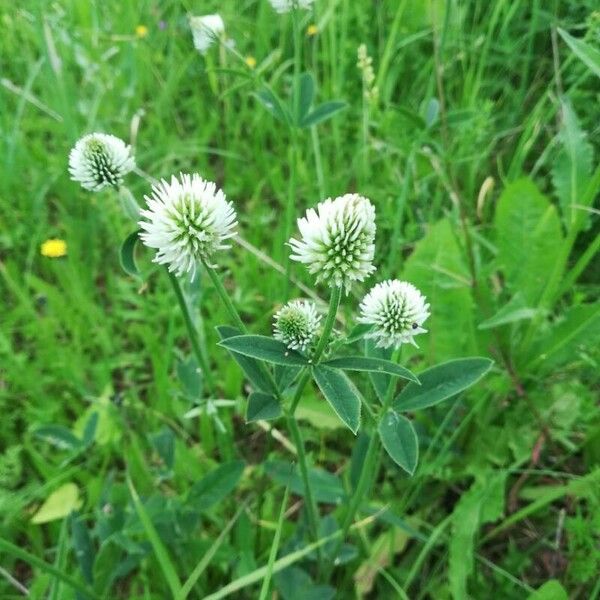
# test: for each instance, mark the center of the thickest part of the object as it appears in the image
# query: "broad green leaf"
(572, 170)
(190, 377)
(551, 590)
(578, 326)
(306, 95)
(341, 394)
(264, 348)
(296, 584)
(431, 112)
(372, 365)
(326, 487)
(400, 440)
(442, 382)
(59, 436)
(216, 486)
(438, 269)
(127, 254)
(262, 407)
(323, 112)
(380, 381)
(253, 370)
(285, 376)
(274, 105)
(584, 51)
(482, 503)
(59, 504)
(513, 311)
(528, 236)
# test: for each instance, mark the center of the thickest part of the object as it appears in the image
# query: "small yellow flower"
(312, 30)
(141, 31)
(54, 248)
(250, 61)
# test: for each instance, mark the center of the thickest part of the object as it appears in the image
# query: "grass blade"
(160, 551)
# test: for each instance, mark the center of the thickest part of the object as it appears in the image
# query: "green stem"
(192, 333)
(224, 296)
(334, 304)
(290, 209)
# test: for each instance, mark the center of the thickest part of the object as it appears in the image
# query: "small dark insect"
(415, 325)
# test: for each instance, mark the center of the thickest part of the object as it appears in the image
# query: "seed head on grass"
(337, 240)
(206, 30)
(397, 310)
(188, 220)
(284, 6)
(297, 324)
(100, 160)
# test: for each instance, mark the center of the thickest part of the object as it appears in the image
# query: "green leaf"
(513, 311)
(551, 590)
(572, 170)
(442, 382)
(82, 544)
(59, 436)
(252, 368)
(323, 112)
(370, 365)
(529, 238)
(262, 407)
(264, 348)
(216, 486)
(438, 269)
(127, 254)
(59, 504)
(341, 394)
(400, 440)
(162, 555)
(306, 95)
(274, 105)
(584, 52)
(326, 487)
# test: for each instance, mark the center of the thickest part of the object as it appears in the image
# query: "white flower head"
(206, 30)
(189, 219)
(396, 310)
(99, 160)
(297, 324)
(285, 6)
(338, 240)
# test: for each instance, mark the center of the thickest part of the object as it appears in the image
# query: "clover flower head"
(188, 220)
(99, 160)
(337, 240)
(396, 310)
(296, 324)
(285, 6)
(206, 30)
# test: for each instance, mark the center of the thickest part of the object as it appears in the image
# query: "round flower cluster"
(206, 30)
(297, 324)
(99, 160)
(396, 310)
(188, 220)
(284, 6)
(338, 240)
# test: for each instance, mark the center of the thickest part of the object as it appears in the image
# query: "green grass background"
(468, 90)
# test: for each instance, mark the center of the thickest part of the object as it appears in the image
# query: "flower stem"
(368, 471)
(192, 333)
(224, 296)
(334, 304)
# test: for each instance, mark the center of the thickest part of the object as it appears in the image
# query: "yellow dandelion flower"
(141, 31)
(312, 30)
(54, 248)
(250, 61)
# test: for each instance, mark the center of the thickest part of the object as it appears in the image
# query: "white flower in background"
(297, 324)
(396, 310)
(338, 240)
(284, 6)
(189, 219)
(99, 160)
(206, 30)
